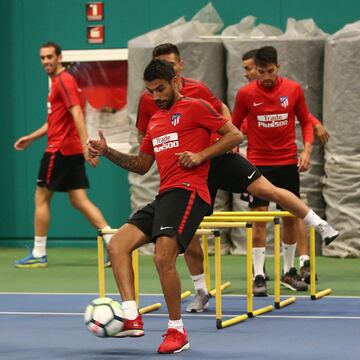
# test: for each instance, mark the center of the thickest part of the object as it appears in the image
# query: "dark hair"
(53, 45)
(165, 49)
(266, 55)
(159, 69)
(249, 55)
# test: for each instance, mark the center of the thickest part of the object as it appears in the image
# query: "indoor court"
(197, 162)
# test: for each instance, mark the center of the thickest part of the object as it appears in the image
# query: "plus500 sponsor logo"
(164, 142)
(273, 120)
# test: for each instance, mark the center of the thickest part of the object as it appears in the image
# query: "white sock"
(39, 249)
(314, 219)
(107, 237)
(289, 256)
(130, 309)
(176, 324)
(199, 282)
(302, 259)
(258, 254)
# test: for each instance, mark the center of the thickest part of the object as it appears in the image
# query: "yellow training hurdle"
(244, 222)
(313, 294)
(210, 226)
(135, 263)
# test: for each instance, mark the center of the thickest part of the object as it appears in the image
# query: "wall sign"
(95, 11)
(95, 34)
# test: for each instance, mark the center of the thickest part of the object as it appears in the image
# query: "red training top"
(187, 126)
(62, 133)
(270, 115)
(190, 88)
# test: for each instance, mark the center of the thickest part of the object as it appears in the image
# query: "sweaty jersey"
(62, 133)
(190, 88)
(270, 117)
(187, 126)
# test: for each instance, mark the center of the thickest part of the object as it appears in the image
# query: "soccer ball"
(104, 317)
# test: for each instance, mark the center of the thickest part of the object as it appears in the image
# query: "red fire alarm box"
(95, 11)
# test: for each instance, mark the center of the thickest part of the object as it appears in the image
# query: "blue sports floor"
(50, 326)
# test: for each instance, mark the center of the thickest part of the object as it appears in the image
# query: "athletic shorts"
(173, 212)
(232, 173)
(62, 173)
(284, 176)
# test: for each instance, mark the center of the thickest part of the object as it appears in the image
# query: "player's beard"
(166, 104)
(268, 83)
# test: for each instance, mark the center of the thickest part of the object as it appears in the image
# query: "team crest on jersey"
(284, 101)
(175, 119)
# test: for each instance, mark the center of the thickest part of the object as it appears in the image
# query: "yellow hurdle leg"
(277, 265)
(312, 262)
(249, 277)
(147, 309)
(101, 268)
(278, 304)
(222, 288)
(185, 294)
(135, 264)
(205, 245)
(313, 294)
(218, 279)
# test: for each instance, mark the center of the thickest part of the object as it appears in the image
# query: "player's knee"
(164, 262)
(116, 247)
(264, 192)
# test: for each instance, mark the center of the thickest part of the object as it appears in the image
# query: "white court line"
(37, 313)
(157, 294)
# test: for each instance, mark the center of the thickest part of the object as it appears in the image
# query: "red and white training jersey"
(190, 88)
(187, 126)
(62, 133)
(270, 117)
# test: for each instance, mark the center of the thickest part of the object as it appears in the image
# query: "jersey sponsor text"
(164, 142)
(272, 120)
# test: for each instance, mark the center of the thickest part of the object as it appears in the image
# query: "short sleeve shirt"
(187, 126)
(270, 115)
(62, 133)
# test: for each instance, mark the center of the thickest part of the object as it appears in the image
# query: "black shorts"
(174, 212)
(232, 173)
(62, 173)
(285, 176)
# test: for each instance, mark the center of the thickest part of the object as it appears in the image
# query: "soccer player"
(270, 105)
(178, 138)
(250, 73)
(147, 108)
(62, 167)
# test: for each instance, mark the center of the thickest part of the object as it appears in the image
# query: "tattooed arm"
(139, 164)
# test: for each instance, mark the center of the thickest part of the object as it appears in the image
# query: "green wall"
(26, 24)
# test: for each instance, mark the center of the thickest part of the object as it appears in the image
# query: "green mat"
(74, 270)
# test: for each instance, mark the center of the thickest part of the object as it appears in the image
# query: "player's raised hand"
(23, 143)
(97, 147)
(188, 159)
